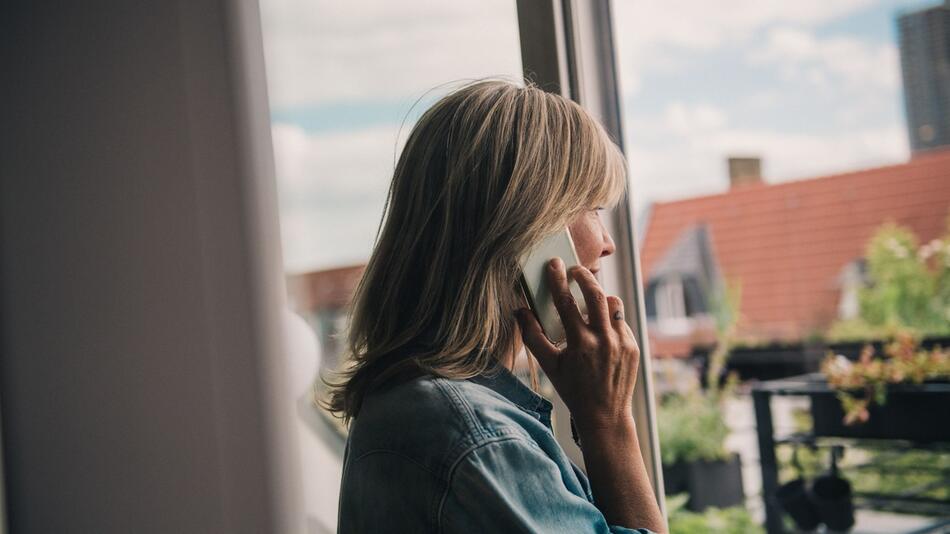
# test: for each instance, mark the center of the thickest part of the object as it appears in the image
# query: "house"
(795, 249)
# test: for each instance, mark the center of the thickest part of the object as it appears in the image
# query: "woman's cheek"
(584, 243)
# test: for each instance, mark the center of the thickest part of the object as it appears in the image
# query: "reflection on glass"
(346, 81)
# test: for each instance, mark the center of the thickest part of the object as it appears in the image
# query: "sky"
(812, 87)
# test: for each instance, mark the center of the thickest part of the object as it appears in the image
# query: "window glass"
(346, 81)
(790, 163)
(669, 297)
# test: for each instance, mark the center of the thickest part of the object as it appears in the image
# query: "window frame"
(567, 47)
(672, 313)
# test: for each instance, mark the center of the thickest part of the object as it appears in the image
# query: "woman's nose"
(609, 246)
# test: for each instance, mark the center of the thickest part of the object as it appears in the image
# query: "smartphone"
(534, 281)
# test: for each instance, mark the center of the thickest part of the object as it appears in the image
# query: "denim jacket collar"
(506, 384)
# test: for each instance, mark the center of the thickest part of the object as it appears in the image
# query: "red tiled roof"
(322, 290)
(787, 243)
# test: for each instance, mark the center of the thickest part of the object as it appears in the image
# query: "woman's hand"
(595, 375)
(596, 372)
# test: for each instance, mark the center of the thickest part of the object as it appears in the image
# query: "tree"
(908, 290)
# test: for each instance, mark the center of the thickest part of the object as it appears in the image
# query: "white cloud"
(683, 119)
(789, 156)
(832, 61)
(649, 30)
(315, 240)
(332, 190)
(684, 151)
(333, 184)
(327, 50)
(351, 162)
(763, 99)
(693, 24)
(694, 163)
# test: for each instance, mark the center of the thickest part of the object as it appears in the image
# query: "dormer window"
(673, 300)
(667, 304)
(670, 300)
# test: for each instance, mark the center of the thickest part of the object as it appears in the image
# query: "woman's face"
(591, 239)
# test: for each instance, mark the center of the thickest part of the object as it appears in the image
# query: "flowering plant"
(861, 383)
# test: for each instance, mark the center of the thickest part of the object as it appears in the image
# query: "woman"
(443, 437)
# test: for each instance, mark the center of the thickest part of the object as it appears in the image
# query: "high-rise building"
(925, 63)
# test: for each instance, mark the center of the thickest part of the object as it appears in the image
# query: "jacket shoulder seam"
(451, 392)
(505, 436)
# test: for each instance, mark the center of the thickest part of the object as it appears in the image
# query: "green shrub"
(691, 427)
(908, 290)
(734, 520)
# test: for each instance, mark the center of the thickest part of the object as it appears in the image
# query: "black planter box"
(717, 484)
(918, 413)
(709, 484)
(674, 478)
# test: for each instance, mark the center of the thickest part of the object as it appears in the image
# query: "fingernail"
(555, 263)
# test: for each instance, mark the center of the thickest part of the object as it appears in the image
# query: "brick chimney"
(744, 171)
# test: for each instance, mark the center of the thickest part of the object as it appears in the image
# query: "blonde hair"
(486, 173)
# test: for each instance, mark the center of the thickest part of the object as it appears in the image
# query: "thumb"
(536, 341)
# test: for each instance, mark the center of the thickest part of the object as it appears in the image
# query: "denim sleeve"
(511, 485)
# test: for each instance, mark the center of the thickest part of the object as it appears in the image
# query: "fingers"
(597, 312)
(535, 339)
(616, 314)
(564, 300)
(615, 309)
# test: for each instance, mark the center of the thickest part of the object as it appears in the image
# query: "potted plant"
(695, 461)
(733, 520)
(693, 429)
(899, 394)
(890, 397)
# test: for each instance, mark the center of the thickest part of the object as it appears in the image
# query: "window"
(346, 82)
(670, 303)
(852, 280)
(792, 158)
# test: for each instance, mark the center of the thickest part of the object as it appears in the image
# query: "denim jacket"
(462, 456)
